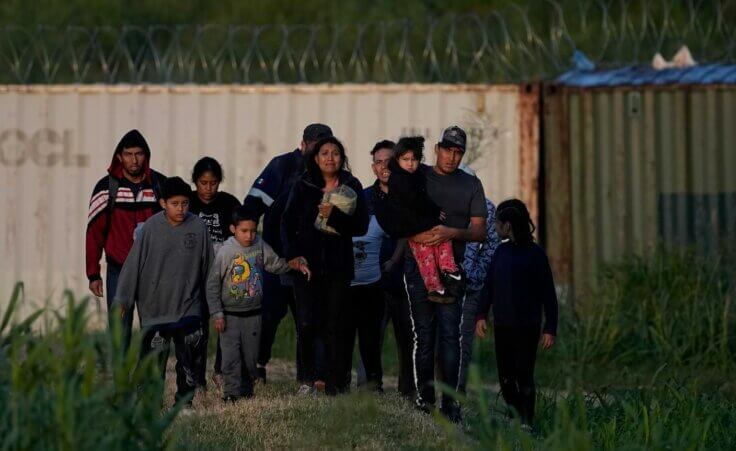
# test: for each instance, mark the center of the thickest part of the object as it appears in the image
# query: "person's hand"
(300, 264)
(96, 287)
(220, 325)
(548, 340)
(481, 327)
(325, 210)
(388, 265)
(423, 238)
(304, 269)
(440, 234)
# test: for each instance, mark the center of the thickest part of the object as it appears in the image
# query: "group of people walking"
(421, 247)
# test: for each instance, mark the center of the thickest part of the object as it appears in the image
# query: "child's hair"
(207, 164)
(515, 212)
(413, 144)
(243, 213)
(175, 186)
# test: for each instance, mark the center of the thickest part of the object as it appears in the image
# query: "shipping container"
(629, 169)
(57, 141)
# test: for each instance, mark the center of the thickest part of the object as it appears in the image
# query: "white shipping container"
(57, 141)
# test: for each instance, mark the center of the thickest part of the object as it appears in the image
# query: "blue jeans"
(113, 273)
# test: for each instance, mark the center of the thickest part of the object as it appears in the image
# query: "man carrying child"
(436, 326)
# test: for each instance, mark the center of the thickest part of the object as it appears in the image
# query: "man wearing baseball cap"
(460, 196)
(268, 196)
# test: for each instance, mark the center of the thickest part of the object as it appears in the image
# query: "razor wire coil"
(509, 46)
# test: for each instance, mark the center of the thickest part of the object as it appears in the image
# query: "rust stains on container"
(648, 167)
(528, 118)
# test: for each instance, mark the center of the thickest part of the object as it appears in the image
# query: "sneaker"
(187, 411)
(422, 406)
(454, 283)
(217, 380)
(440, 298)
(306, 390)
(261, 374)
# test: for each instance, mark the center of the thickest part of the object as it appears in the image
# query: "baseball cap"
(453, 136)
(315, 132)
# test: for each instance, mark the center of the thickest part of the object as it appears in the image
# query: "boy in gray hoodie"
(165, 275)
(234, 292)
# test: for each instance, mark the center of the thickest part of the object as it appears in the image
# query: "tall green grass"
(64, 388)
(671, 310)
(645, 362)
(665, 416)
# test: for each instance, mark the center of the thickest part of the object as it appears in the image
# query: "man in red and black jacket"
(120, 201)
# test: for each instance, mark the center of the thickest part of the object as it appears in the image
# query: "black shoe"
(454, 283)
(261, 374)
(452, 412)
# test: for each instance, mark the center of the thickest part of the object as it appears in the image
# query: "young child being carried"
(414, 212)
(234, 292)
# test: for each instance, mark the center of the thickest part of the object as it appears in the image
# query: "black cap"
(175, 186)
(315, 132)
(453, 136)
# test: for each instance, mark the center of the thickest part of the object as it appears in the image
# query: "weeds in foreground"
(68, 389)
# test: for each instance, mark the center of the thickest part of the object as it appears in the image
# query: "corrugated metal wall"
(57, 141)
(628, 169)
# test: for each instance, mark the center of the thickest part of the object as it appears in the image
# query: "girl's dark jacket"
(407, 210)
(326, 254)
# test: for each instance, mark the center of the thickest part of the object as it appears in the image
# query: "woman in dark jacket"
(326, 209)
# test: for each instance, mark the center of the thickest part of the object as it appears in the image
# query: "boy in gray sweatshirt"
(165, 275)
(234, 292)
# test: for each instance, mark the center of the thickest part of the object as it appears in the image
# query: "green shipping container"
(627, 169)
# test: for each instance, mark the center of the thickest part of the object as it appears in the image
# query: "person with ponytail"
(519, 287)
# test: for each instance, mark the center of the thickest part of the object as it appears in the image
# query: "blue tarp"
(704, 74)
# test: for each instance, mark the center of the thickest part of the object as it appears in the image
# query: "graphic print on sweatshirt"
(245, 277)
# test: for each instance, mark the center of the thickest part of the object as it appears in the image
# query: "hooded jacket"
(112, 230)
(407, 209)
(326, 253)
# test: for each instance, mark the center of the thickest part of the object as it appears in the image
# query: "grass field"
(647, 363)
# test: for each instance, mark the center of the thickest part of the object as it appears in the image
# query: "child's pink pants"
(431, 260)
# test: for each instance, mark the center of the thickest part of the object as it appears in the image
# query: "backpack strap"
(112, 194)
(157, 180)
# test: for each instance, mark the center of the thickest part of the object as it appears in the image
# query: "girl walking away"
(215, 208)
(413, 212)
(326, 209)
(519, 287)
